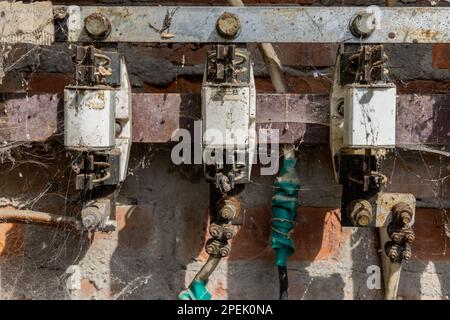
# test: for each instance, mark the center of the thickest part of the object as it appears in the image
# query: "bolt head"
(97, 26)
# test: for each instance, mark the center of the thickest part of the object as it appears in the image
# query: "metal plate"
(26, 23)
(264, 24)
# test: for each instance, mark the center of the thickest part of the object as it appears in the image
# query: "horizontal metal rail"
(263, 24)
(422, 120)
(33, 23)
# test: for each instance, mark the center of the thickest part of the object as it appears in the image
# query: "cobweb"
(38, 176)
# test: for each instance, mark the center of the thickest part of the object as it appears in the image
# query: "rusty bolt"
(360, 212)
(403, 213)
(391, 35)
(224, 250)
(228, 25)
(97, 26)
(229, 232)
(228, 211)
(396, 237)
(363, 24)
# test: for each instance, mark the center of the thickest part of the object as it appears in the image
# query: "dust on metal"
(265, 24)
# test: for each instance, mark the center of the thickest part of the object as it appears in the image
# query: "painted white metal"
(369, 116)
(229, 120)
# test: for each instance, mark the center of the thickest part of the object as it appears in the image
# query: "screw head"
(228, 25)
(97, 26)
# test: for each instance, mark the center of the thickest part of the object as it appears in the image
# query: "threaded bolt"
(214, 231)
(228, 211)
(410, 238)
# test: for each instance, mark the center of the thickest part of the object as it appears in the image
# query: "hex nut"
(360, 212)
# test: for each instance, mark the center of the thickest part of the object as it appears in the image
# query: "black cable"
(283, 277)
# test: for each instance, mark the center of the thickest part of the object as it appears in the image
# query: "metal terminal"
(363, 25)
(97, 26)
(228, 25)
(360, 212)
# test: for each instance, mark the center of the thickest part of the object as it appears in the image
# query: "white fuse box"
(369, 116)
